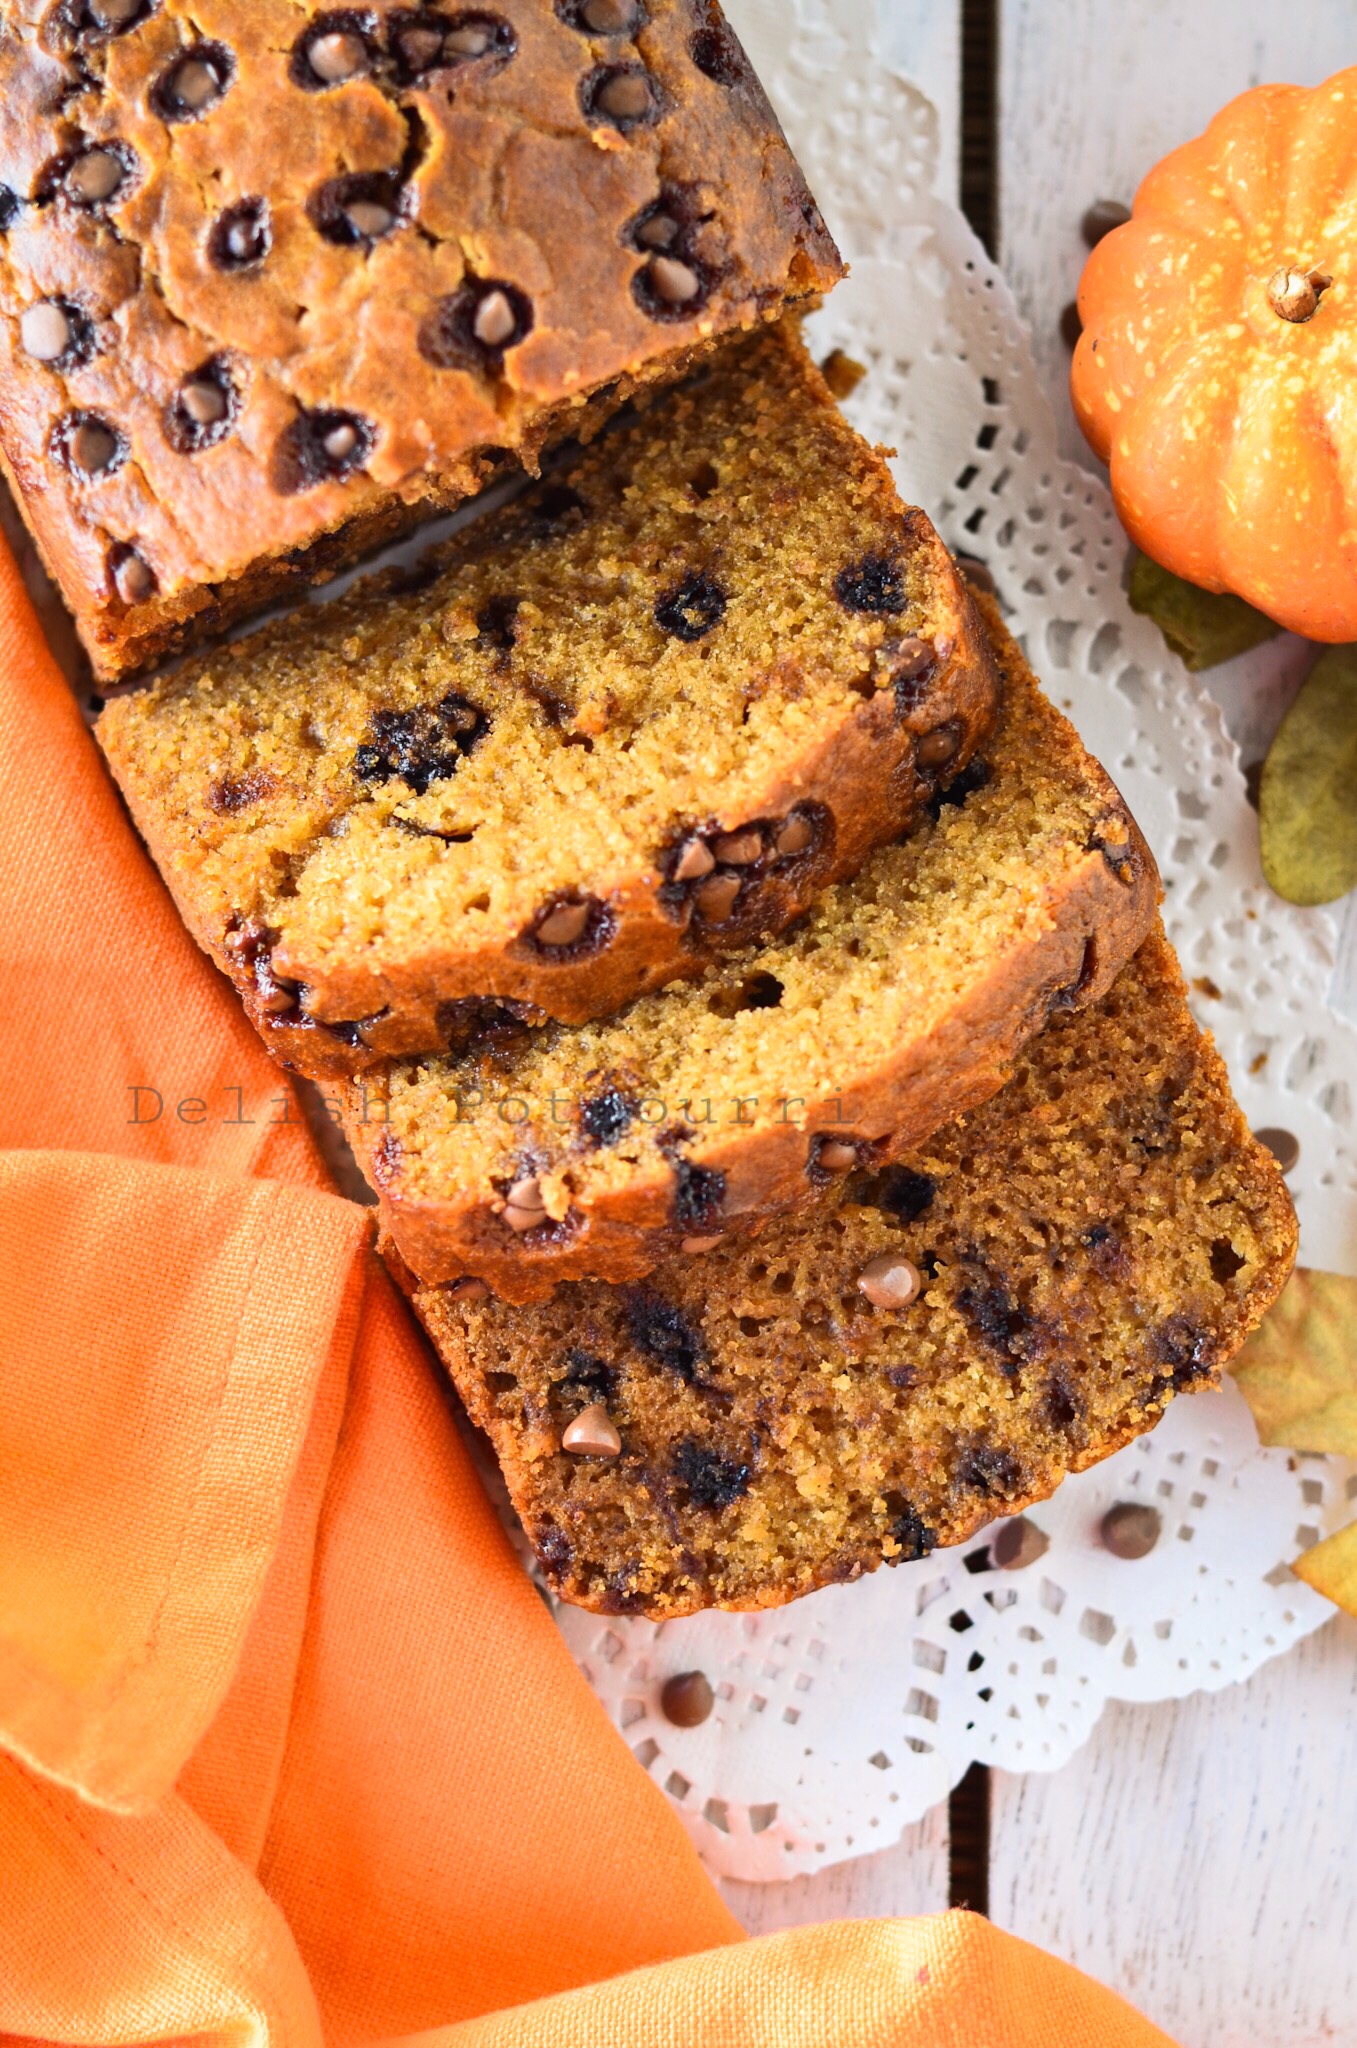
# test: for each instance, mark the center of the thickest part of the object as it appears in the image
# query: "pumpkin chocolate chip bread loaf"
(637, 719)
(931, 1347)
(277, 279)
(899, 1000)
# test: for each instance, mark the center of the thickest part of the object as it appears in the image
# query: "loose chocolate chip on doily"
(593, 1434)
(1131, 1529)
(890, 1281)
(717, 55)
(872, 584)
(1018, 1544)
(621, 96)
(473, 327)
(194, 83)
(334, 47)
(420, 746)
(241, 236)
(324, 446)
(358, 209)
(130, 574)
(56, 332)
(204, 409)
(1283, 1145)
(1101, 218)
(88, 445)
(687, 1699)
(692, 608)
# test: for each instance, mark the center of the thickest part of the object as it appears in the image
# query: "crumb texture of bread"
(1099, 1237)
(633, 722)
(542, 1154)
(277, 280)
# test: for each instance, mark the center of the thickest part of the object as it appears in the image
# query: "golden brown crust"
(609, 741)
(900, 1002)
(501, 168)
(1098, 1237)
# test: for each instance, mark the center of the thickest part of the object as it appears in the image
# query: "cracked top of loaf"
(278, 279)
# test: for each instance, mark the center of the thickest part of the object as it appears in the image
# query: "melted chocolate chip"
(975, 775)
(985, 1469)
(606, 1118)
(658, 1329)
(699, 1192)
(692, 608)
(10, 208)
(588, 1375)
(194, 83)
(360, 208)
(872, 584)
(713, 1482)
(554, 502)
(88, 446)
(204, 409)
(474, 326)
(475, 1024)
(241, 236)
(324, 446)
(1187, 1349)
(1061, 1403)
(718, 56)
(1000, 1323)
(495, 623)
(913, 1535)
(555, 1551)
(904, 1194)
(229, 795)
(621, 96)
(420, 746)
(334, 47)
(250, 947)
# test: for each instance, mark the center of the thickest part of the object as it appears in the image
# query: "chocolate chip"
(622, 96)
(593, 1434)
(562, 925)
(337, 55)
(938, 747)
(605, 17)
(702, 1244)
(421, 746)
(717, 55)
(56, 332)
(204, 409)
(88, 445)
(241, 236)
(674, 282)
(687, 1699)
(608, 1117)
(913, 664)
(913, 1535)
(194, 83)
(324, 446)
(659, 230)
(659, 1330)
(1018, 1544)
(1101, 218)
(472, 40)
(694, 860)
(525, 1205)
(92, 176)
(715, 899)
(1187, 1349)
(985, 1469)
(699, 1191)
(586, 1372)
(872, 584)
(1283, 1145)
(713, 1482)
(115, 17)
(467, 1290)
(975, 775)
(1000, 1322)
(890, 1281)
(1071, 326)
(229, 795)
(495, 623)
(358, 209)
(834, 1155)
(573, 927)
(419, 47)
(132, 577)
(796, 837)
(1131, 1529)
(692, 608)
(904, 1194)
(739, 849)
(426, 41)
(473, 327)
(334, 47)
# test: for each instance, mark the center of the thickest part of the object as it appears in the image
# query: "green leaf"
(1204, 626)
(1307, 800)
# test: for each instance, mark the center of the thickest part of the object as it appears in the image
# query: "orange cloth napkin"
(289, 1749)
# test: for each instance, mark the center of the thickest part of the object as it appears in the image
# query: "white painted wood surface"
(1199, 1857)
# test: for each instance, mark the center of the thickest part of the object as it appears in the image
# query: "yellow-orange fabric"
(290, 1752)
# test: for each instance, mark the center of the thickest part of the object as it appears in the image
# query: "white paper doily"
(843, 1718)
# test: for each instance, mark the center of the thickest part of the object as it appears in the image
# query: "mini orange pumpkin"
(1217, 370)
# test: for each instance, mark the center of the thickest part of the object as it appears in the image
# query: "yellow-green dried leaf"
(1298, 1372)
(1204, 626)
(1331, 1568)
(1307, 800)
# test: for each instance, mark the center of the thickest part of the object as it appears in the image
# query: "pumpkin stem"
(1294, 294)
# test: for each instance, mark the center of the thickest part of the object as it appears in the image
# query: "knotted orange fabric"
(289, 1749)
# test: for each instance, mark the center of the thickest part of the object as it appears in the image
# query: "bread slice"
(635, 721)
(897, 1002)
(1099, 1237)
